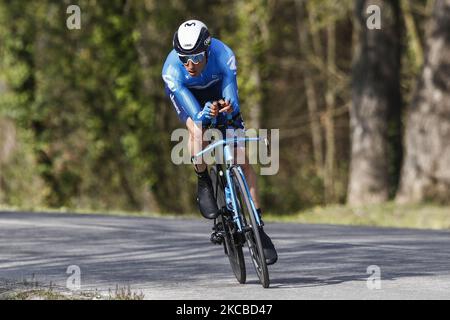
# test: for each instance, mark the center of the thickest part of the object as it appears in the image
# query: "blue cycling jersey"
(217, 80)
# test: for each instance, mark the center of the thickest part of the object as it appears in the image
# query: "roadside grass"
(33, 290)
(119, 213)
(390, 214)
(423, 216)
(122, 293)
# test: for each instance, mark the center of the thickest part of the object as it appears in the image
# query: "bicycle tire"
(253, 238)
(232, 250)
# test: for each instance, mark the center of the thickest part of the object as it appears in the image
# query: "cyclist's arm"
(229, 83)
(185, 99)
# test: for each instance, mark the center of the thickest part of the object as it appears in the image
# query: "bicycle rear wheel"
(253, 237)
(232, 247)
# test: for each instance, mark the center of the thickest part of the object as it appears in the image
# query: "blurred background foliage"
(84, 121)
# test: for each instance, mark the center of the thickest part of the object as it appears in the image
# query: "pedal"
(216, 237)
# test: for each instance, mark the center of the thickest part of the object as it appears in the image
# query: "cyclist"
(200, 80)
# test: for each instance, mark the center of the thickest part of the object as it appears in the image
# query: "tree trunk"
(8, 144)
(375, 99)
(310, 92)
(255, 105)
(253, 36)
(329, 127)
(413, 36)
(426, 168)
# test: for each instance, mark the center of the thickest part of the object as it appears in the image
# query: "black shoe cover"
(206, 202)
(269, 249)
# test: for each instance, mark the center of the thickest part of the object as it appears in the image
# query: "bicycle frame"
(229, 158)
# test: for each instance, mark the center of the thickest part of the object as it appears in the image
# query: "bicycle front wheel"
(252, 235)
(232, 248)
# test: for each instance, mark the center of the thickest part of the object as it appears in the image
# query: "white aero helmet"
(191, 37)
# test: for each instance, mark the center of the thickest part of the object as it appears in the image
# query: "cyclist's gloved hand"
(228, 110)
(205, 115)
(229, 114)
(226, 107)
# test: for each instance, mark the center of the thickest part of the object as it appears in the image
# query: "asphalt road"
(173, 259)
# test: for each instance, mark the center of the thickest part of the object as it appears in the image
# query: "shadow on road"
(160, 253)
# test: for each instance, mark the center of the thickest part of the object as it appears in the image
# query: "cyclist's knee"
(241, 158)
(195, 131)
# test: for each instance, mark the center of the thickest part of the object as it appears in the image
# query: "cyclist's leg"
(196, 143)
(242, 160)
(251, 178)
(206, 200)
(195, 134)
(269, 249)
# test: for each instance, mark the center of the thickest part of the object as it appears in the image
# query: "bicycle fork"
(232, 191)
(247, 190)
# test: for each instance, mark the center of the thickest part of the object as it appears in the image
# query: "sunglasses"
(195, 58)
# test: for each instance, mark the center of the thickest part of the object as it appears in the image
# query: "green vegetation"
(120, 213)
(425, 216)
(85, 124)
